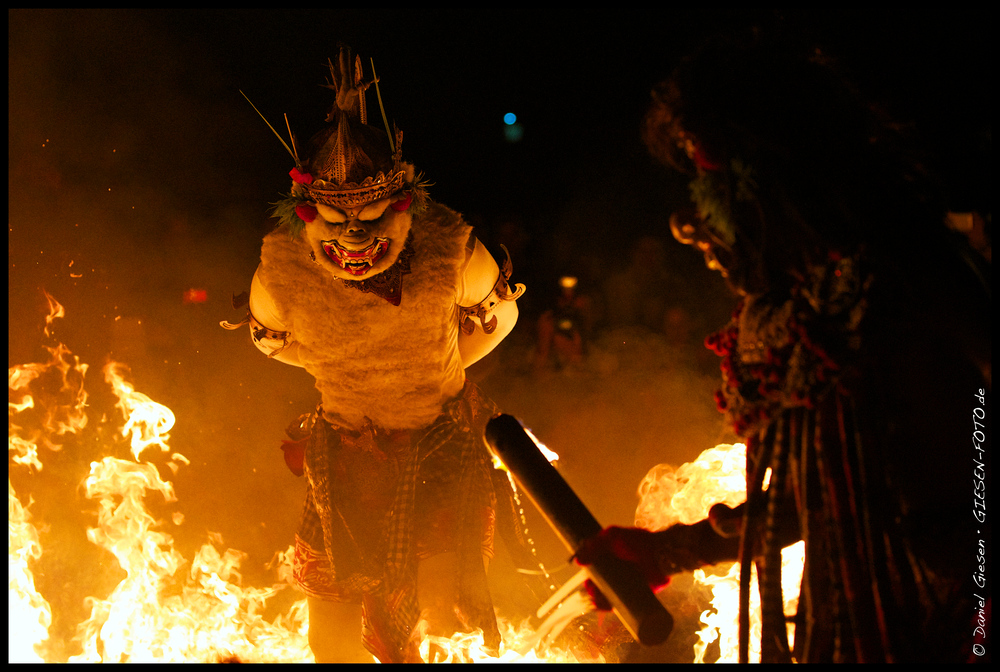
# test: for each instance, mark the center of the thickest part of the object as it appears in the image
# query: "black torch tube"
(620, 581)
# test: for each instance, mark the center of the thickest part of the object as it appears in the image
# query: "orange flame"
(29, 615)
(55, 311)
(520, 644)
(157, 613)
(145, 420)
(669, 496)
(64, 406)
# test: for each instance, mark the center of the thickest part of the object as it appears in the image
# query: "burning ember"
(669, 496)
(158, 612)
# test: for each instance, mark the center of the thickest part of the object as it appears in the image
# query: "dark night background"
(137, 172)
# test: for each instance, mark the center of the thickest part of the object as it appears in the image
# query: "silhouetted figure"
(858, 352)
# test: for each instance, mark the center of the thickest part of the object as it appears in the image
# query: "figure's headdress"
(348, 163)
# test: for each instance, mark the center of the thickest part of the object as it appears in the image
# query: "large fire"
(171, 609)
(166, 609)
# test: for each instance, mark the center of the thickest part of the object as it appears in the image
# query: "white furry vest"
(395, 365)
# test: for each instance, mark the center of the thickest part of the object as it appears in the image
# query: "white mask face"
(358, 243)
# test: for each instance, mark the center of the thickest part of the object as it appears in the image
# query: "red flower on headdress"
(306, 212)
(702, 160)
(299, 177)
(402, 204)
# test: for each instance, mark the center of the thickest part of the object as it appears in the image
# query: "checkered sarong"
(432, 493)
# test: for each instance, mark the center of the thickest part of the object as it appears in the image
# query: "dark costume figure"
(385, 297)
(858, 349)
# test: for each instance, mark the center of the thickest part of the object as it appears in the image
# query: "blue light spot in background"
(512, 130)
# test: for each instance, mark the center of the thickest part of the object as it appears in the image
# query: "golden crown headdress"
(350, 162)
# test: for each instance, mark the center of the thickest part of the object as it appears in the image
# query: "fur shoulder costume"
(392, 365)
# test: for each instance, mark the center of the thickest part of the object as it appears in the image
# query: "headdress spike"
(294, 155)
(378, 94)
(359, 85)
(291, 136)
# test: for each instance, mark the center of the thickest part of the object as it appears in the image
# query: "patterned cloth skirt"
(378, 502)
